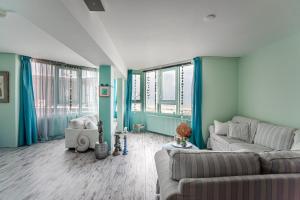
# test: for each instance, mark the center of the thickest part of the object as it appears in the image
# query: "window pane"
(89, 91)
(43, 77)
(168, 109)
(136, 87)
(151, 91)
(68, 98)
(186, 80)
(169, 85)
(136, 107)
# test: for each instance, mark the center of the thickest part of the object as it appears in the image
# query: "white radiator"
(162, 124)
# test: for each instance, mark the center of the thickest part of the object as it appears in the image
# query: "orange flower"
(183, 130)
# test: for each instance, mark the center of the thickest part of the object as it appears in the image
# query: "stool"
(138, 127)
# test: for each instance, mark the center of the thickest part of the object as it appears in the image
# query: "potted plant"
(184, 132)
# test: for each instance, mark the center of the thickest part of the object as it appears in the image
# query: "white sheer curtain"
(61, 93)
(89, 91)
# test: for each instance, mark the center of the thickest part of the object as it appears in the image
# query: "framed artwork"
(104, 91)
(4, 87)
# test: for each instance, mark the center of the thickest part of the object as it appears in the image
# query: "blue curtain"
(28, 133)
(196, 137)
(127, 120)
(115, 99)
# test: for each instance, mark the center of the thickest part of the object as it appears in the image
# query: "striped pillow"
(280, 162)
(275, 137)
(239, 131)
(203, 164)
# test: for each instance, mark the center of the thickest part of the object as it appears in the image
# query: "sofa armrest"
(257, 187)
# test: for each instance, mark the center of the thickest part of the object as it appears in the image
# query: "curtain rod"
(61, 63)
(187, 62)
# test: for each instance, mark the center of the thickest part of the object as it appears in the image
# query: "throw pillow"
(296, 144)
(239, 131)
(221, 128)
(76, 123)
(90, 125)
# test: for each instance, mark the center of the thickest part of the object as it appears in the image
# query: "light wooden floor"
(49, 171)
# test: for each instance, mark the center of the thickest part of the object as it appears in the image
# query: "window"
(168, 86)
(169, 90)
(186, 81)
(136, 93)
(89, 91)
(151, 91)
(68, 91)
(60, 89)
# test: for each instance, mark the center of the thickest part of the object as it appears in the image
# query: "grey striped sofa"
(264, 137)
(209, 175)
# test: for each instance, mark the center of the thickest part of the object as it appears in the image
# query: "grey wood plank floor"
(49, 171)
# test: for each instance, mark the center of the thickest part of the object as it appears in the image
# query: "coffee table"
(172, 145)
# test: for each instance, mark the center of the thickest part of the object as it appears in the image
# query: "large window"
(169, 90)
(60, 89)
(136, 93)
(185, 88)
(151, 79)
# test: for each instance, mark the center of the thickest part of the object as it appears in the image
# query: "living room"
(110, 99)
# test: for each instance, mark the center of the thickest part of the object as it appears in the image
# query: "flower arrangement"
(184, 132)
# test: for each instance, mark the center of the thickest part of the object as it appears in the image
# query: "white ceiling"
(18, 35)
(143, 33)
(154, 32)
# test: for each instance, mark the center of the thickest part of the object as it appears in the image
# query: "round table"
(170, 146)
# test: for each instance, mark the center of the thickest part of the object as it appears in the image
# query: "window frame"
(141, 92)
(145, 93)
(62, 66)
(159, 86)
(160, 90)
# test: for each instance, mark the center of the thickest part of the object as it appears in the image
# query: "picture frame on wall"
(104, 91)
(4, 87)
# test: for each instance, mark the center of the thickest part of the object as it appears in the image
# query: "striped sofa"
(264, 137)
(209, 175)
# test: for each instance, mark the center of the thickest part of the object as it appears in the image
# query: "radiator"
(162, 124)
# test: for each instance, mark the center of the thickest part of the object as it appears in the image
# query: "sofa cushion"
(251, 122)
(296, 143)
(245, 147)
(90, 124)
(203, 164)
(221, 128)
(239, 131)
(275, 137)
(280, 162)
(77, 123)
(221, 143)
(93, 118)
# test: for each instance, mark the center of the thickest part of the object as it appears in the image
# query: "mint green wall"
(269, 83)
(9, 112)
(106, 103)
(220, 87)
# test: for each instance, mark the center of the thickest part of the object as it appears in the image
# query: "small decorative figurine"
(125, 151)
(117, 144)
(101, 147)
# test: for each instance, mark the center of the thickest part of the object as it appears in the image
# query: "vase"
(101, 150)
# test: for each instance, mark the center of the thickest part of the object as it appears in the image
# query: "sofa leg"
(157, 187)
(157, 197)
